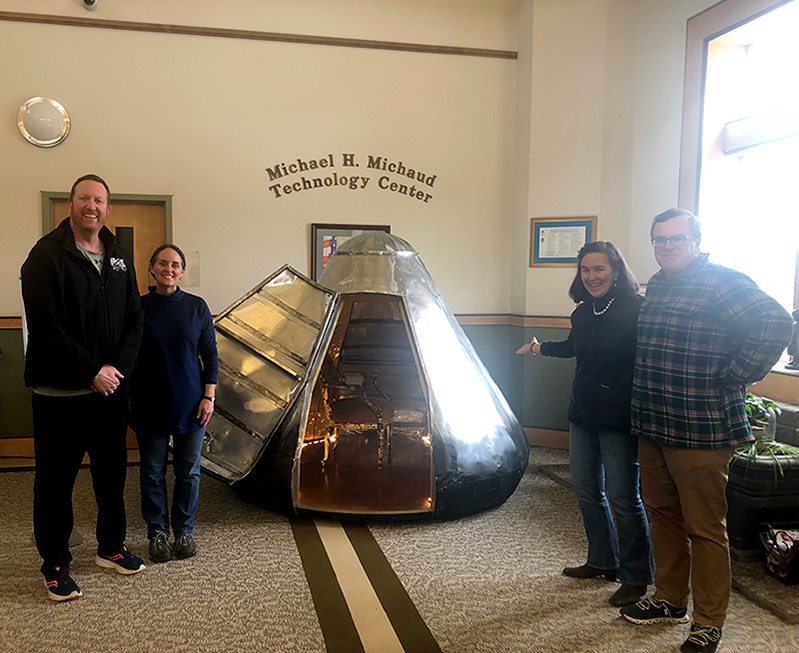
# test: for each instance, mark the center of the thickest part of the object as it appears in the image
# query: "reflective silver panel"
(479, 448)
(264, 341)
(363, 399)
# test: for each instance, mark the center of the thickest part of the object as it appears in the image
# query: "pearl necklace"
(593, 307)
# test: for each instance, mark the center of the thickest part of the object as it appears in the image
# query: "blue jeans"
(604, 470)
(152, 475)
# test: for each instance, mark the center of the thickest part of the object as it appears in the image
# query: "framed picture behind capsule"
(326, 238)
(554, 242)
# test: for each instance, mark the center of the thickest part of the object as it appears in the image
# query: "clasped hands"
(107, 380)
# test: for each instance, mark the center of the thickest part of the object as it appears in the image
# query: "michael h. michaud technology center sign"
(340, 171)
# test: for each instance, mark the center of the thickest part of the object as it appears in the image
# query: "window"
(740, 157)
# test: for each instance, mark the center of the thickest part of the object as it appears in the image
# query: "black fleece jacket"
(77, 319)
(605, 349)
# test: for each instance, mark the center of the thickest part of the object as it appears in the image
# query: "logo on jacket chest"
(118, 264)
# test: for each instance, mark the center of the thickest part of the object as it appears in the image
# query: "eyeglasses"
(659, 242)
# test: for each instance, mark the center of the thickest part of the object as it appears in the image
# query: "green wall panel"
(16, 420)
(547, 383)
(537, 388)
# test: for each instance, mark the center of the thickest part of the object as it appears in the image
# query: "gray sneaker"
(184, 546)
(159, 547)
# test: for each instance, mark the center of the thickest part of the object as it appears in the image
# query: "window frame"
(702, 28)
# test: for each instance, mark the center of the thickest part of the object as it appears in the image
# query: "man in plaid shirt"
(705, 332)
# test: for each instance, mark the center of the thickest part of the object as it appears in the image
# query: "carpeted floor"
(490, 582)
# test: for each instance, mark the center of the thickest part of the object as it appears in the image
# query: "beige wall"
(201, 118)
(462, 23)
(659, 70)
(586, 122)
(566, 141)
(607, 79)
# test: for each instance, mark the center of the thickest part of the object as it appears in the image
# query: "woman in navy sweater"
(172, 394)
(603, 455)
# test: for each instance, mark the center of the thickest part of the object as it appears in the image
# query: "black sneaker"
(184, 546)
(703, 639)
(123, 561)
(159, 547)
(587, 571)
(652, 611)
(627, 594)
(60, 585)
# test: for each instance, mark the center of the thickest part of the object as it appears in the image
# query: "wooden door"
(140, 226)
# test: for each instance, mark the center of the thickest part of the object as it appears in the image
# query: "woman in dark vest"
(603, 455)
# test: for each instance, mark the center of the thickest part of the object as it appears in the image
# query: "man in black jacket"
(84, 320)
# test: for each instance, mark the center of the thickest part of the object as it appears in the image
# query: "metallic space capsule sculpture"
(360, 395)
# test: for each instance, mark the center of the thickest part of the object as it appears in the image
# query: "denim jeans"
(604, 470)
(152, 474)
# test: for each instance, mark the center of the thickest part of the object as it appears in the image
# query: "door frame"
(48, 197)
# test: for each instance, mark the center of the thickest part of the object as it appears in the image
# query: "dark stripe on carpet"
(334, 616)
(412, 631)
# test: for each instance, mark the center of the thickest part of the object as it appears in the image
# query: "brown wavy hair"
(625, 283)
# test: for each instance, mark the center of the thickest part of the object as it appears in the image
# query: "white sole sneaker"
(110, 564)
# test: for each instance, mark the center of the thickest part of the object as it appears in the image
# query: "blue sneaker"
(123, 561)
(60, 585)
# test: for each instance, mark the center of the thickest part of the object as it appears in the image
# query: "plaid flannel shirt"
(703, 336)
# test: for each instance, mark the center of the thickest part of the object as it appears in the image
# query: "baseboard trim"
(547, 438)
(23, 447)
(16, 447)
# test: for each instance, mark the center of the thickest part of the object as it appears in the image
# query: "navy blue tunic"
(176, 359)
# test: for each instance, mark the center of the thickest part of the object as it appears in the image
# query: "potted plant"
(763, 481)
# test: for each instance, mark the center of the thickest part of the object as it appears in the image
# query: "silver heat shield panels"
(361, 395)
(265, 341)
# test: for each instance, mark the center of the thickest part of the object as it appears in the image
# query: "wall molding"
(507, 319)
(471, 319)
(253, 35)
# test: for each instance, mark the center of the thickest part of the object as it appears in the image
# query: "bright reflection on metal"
(454, 377)
(479, 448)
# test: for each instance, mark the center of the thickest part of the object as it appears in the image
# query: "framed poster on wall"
(554, 242)
(326, 238)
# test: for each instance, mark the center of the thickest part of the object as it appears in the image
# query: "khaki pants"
(684, 494)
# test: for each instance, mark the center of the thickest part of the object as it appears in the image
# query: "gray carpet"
(244, 591)
(493, 582)
(490, 582)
